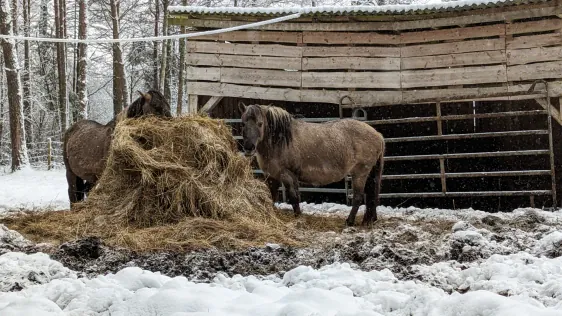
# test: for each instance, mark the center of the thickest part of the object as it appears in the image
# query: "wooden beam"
(546, 70)
(553, 111)
(245, 49)
(377, 80)
(453, 76)
(261, 77)
(252, 36)
(211, 104)
(243, 61)
(192, 103)
(358, 51)
(493, 44)
(534, 55)
(357, 63)
(534, 26)
(349, 38)
(460, 33)
(454, 60)
(536, 40)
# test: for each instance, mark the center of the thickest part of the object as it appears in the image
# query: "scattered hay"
(171, 184)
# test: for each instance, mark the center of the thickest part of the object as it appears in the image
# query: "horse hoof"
(349, 223)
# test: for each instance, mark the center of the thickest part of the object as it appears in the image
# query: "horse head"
(150, 103)
(264, 125)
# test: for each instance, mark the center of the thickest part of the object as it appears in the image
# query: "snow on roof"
(353, 10)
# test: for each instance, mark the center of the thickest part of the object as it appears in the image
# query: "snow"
(400, 8)
(533, 285)
(29, 188)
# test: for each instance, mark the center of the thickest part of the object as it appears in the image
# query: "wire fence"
(44, 155)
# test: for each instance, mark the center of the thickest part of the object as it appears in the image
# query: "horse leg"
(75, 187)
(292, 186)
(273, 185)
(358, 182)
(372, 191)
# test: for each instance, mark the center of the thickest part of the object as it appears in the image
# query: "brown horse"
(290, 151)
(86, 143)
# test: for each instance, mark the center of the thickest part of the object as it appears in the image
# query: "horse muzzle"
(249, 153)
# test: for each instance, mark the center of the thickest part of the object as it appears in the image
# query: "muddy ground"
(397, 244)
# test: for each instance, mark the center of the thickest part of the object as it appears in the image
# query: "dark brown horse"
(290, 151)
(86, 143)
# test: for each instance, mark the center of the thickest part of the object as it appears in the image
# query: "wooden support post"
(443, 178)
(532, 200)
(439, 122)
(560, 111)
(192, 100)
(211, 104)
(547, 106)
(49, 153)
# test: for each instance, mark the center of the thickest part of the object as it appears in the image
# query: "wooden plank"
(252, 36)
(533, 55)
(192, 103)
(201, 73)
(452, 34)
(421, 96)
(534, 26)
(452, 60)
(357, 63)
(315, 51)
(244, 49)
(537, 40)
(378, 80)
(546, 70)
(453, 76)
(349, 38)
(453, 48)
(554, 112)
(265, 62)
(211, 104)
(373, 98)
(554, 88)
(261, 77)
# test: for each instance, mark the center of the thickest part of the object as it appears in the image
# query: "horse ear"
(146, 96)
(242, 106)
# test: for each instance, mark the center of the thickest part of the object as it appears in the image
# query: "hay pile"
(178, 181)
(160, 171)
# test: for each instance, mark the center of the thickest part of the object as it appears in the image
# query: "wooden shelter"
(463, 91)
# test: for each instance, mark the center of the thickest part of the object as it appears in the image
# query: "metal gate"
(442, 173)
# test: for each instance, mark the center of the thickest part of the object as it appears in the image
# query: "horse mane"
(277, 128)
(135, 109)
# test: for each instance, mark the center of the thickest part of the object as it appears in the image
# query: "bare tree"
(11, 67)
(26, 73)
(165, 46)
(155, 47)
(81, 93)
(120, 97)
(61, 62)
(181, 79)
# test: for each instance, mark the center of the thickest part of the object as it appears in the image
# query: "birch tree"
(81, 92)
(11, 67)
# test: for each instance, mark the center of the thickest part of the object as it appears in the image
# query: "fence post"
(49, 151)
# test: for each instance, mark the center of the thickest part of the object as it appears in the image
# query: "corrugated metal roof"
(353, 10)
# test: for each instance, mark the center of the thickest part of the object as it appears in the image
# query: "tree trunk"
(155, 44)
(81, 93)
(120, 97)
(61, 64)
(162, 85)
(181, 79)
(11, 67)
(26, 74)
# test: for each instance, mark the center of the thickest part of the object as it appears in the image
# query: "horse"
(290, 151)
(86, 143)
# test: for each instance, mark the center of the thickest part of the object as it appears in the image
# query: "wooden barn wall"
(392, 63)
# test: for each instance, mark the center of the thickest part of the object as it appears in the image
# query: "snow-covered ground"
(30, 189)
(486, 277)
